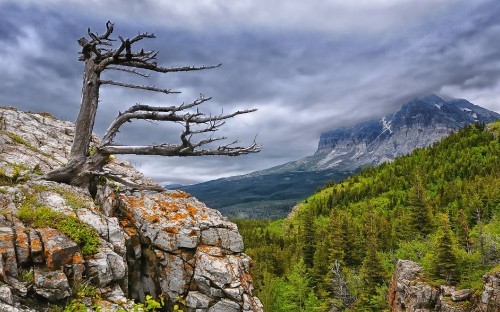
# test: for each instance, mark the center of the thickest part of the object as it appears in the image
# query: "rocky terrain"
(410, 292)
(59, 245)
(419, 123)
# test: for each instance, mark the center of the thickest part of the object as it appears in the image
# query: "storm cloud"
(307, 66)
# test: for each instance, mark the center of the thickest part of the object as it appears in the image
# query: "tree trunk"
(85, 121)
(78, 169)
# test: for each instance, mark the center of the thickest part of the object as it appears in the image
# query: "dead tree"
(101, 53)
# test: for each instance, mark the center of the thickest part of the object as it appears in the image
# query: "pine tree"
(373, 273)
(444, 263)
(418, 205)
(308, 239)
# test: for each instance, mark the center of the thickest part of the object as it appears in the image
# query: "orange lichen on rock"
(192, 210)
(166, 206)
(133, 202)
(77, 258)
(58, 249)
(128, 227)
(180, 194)
(179, 216)
(246, 279)
(171, 229)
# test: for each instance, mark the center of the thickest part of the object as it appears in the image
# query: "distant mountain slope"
(272, 192)
(268, 196)
(418, 123)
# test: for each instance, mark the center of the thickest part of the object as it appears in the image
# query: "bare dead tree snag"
(101, 53)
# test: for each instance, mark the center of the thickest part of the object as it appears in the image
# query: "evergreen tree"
(418, 205)
(308, 241)
(373, 274)
(444, 263)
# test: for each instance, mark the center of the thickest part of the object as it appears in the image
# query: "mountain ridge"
(341, 152)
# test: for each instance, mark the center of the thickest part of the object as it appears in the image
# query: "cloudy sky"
(307, 66)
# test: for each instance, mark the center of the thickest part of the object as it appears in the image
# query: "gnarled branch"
(133, 86)
(179, 150)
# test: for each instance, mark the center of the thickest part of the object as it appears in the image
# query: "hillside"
(438, 208)
(121, 249)
(271, 193)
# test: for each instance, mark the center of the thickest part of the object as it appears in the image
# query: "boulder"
(225, 305)
(52, 285)
(105, 267)
(197, 300)
(58, 249)
(8, 265)
(461, 295)
(22, 244)
(6, 294)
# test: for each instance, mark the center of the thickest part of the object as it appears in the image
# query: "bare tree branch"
(167, 114)
(179, 150)
(130, 71)
(133, 86)
(159, 69)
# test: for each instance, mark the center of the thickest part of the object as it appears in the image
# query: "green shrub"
(42, 216)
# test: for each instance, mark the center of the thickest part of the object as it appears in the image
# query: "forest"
(438, 206)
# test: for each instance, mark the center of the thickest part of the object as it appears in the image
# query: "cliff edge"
(111, 250)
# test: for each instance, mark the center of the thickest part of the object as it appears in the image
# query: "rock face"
(418, 123)
(408, 292)
(164, 245)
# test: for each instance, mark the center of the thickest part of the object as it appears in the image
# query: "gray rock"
(461, 295)
(114, 294)
(221, 237)
(225, 305)
(195, 299)
(52, 285)
(108, 228)
(105, 266)
(175, 276)
(36, 247)
(9, 308)
(22, 244)
(58, 249)
(234, 293)
(8, 266)
(407, 293)
(252, 303)
(6, 294)
(490, 298)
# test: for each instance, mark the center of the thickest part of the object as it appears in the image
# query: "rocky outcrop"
(58, 243)
(409, 292)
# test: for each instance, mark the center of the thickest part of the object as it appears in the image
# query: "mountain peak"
(419, 123)
(431, 99)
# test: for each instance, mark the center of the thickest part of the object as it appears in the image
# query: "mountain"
(272, 192)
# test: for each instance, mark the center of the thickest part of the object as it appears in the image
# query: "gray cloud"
(307, 66)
